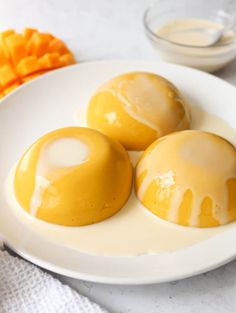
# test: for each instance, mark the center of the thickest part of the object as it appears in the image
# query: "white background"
(112, 29)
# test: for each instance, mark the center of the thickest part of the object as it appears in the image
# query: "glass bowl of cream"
(182, 32)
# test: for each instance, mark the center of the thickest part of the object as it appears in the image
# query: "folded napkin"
(24, 288)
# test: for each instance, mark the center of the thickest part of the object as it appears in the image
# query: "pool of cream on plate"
(133, 230)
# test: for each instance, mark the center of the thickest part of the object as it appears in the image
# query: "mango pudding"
(136, 109)
(73, 176)
(189, 178)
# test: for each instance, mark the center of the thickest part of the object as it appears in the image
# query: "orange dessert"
(189, 178)
(137, 108)
(73, 176)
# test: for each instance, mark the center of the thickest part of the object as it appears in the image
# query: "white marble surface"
(106, 29)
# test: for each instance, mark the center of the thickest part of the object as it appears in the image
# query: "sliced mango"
(11, 88)
(28, 66)
(7, 75)
(50, 61)
(38, 44)
(3, 57)
(66, 59)
(30, 77)
(16, 46)
(7, 33)
(57, 45)
(28, 55)
(3, 36)
(28, 32)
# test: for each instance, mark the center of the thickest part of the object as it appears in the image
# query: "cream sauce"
(185, 32)
(56, 158)
(139, 98)
(66, 152)
(133, 230)
(192, 32)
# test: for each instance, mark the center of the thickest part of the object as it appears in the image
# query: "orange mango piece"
(7, 75)
(50, 61)
(3, 36)
(66, 59)
(16, 46)
(57, 45)
(28, 55)
(28, 66)
(38, 44)
(28, 32)
(3, 57)
(30, 77)
(7, 33)
(11, 88)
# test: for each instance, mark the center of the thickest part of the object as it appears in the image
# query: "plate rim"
(44, 265)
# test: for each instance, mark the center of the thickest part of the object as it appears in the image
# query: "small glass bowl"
(208, 59)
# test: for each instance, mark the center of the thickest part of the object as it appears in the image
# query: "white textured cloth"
(24, 288)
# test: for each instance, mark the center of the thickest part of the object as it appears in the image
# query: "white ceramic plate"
(48, 103)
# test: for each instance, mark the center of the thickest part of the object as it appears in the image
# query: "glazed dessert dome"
(73, 176)
(136, 109)
(189, 178)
